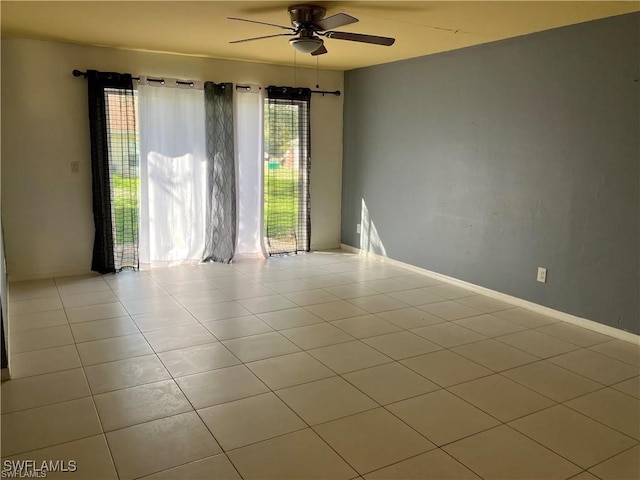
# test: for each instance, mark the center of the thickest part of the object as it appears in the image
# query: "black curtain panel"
(287, 205)
(220, 231)
(114, 169)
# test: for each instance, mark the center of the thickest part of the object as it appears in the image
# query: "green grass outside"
(281, 202)
(125, 208)
(280, 205)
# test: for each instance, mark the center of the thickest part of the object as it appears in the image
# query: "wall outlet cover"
(542, 275)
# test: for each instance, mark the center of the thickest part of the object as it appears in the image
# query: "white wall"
(47, 210)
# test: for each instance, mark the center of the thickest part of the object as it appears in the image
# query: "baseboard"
(325, 246)
(45, 276)
(5, 374)
(518, 302)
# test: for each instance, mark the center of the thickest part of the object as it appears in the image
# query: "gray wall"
(487, 162)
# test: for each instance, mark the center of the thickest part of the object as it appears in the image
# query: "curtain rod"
(79, 73)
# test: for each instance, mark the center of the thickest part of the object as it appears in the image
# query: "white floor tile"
(44, 361)
(598, 367)
(91, 456)
(552, 381)
(433, 465)
(501, 398)
(624, 465)
(314, 336)
(175, 317)
(373, 439)
(149, 305)
(451, 310)
(335, 310)
(134, 405)
(365, 326)
(48, 337)
(630, 387)
(290, 318)
(417, 296)
(49, 425)
(155, 446)
(270, 303)
(378, 303)
(410, 318)
(125, 373)
(348, 357)
(92, 298)
(576, 335)
(520, 457)
(620, 350)
(572, 435)
(110, 349)
(179, 337)
(489, 325)
(220, 386)
(442, 417)
(495, 355)
(537, 343)
(259, 347)
(324, 400)
(448, 334)
(400, 345)
(101, 329)
(288, 370)
(390, 383)
(526, 318)
(616, 410)
(237, 327)
(30, 321)
(299, 455)
(40, 390)
(95, 312)
(250, 420)
(217, 467)
(201, 358)
(35, 305)
(328, 338)
(446, 368)
(219, 311)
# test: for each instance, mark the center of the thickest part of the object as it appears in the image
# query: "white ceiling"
(201, 28)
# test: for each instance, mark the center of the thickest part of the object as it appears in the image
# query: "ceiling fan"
(309, 24)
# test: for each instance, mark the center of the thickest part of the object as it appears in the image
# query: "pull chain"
(317, 81)
(294, 67)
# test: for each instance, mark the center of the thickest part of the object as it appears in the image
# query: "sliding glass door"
(287, 223)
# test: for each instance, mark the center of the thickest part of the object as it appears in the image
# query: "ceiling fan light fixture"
(306, 44)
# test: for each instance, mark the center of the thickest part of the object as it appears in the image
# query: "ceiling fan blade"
(320, 51)
(261, 23)
(359, 37)
(335, 21)
(265, 36)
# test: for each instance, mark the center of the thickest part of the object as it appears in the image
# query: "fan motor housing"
(306, 14)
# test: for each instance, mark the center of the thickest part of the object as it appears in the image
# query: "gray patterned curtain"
(220, 232)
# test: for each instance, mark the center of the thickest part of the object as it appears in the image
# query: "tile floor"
(325, 365)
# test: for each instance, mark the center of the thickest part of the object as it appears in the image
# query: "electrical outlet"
(75, 167)
(542, 275)
(358, 228)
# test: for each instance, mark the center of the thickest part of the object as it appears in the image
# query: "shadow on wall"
(369, 239)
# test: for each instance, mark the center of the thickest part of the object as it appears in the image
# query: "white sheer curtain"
(172, 175)
(249, 164)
